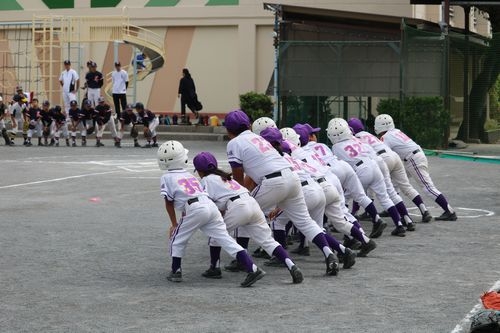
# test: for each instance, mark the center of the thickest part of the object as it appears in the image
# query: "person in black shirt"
(33, 116)
(59, 124)
(94, 81)
(46, 122)
(102, 117)
(187, 94)
(150, 122)
(127, 119)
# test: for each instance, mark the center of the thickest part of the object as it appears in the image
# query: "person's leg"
(116, 103)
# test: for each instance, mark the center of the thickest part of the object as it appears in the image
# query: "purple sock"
(400, 206)
(418, 202)
(280, 237)
(214, 256)
(441, 201)
(357, 224)
(333, 243)
(372, 211)
(393, 213)
(176, 264)
(356, 233)
(280, 253)
(243, 258)
(320, 241)
(243, 241)
(355, 208)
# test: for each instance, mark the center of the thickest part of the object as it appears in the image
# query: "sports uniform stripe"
(176, 231)
(429, 188)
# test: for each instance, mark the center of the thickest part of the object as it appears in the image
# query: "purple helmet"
(356, 125)
(236, 120)
(303, 133)
(205, 161)
(272, 135)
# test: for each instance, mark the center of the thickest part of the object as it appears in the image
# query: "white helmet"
(290, 135)
(261, 124)
(338, 130)
(172, 155)
(383, 123)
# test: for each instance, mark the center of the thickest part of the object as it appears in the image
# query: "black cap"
(117, 63)
(67, 62)
(73, 103)
(46, 102)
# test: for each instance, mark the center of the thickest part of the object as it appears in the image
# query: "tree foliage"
(256, 105)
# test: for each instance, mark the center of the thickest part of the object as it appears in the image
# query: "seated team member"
(102, 117)
(150, 122)
(3, 129)
(79, 118)
(46, 122)
(33, 116)
(127, 119)
(240, 210)
(59, 124)
(16, 117)
(182, 191)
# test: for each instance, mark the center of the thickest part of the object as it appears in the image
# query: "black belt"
(304, 183)
(359, 163)
(320, 180)
(413, 153)
(192, 201)
(236, 197)
(380, 152)
(273, 175)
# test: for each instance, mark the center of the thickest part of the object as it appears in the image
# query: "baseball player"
(414, 160)
(3, 128)
(276, 185)
(69, 81)
(127, 120)
(59, 124)
(350, 183)
(93, 82)
(103, 117)
(33, 116)
(16, 111)
(79, 120)
(240, 210)
(349, 149)
(335, 209)
(394, 165)
(150, 123)
(182, 191)
(46, 123)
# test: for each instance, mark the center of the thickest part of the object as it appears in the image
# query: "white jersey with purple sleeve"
(352, 151)
(373, 141)
(300, 167)
(320, 149)
(400, 143)
(180, 186)
(221, 191)
(257, 156)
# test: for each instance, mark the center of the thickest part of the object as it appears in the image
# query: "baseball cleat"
(426, 217)
(253, 277)
(296, 274)
(410, 227)
(378, 229)
(175, 277)
(154, 145)
(446, 216)
(260, 253)
(384, 214)
(332, 267)
(212, 273)
(367, 248)
(349, 258)
(364, 217)
(147, 145)
(399, 231)
(274, 262)
(302, 251)
(234, 266)
(352, 243)
(137, 145)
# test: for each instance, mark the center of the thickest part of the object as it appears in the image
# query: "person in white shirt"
(70, 82)
(120, 85)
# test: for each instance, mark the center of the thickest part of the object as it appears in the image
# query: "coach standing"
(94, 82)
(70, 82)
(120, 85)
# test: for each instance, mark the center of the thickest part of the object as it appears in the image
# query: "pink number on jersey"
(353, 150)
(318, 159)
(262, 144)
(295, 165)
(233, 185)
(321, 149)
(309, 168)
(190, 185)
(403, 136)
(370, 139)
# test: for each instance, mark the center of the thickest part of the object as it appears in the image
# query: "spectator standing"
(94, 81)
(187, 94)
(70, 82)
(120, 85)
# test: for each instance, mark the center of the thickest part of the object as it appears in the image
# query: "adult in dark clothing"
(94, 81)
(187, 94)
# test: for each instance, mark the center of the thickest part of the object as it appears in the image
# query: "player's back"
(400, 142)
(258, 157)
(372, 140)
(352, 151)
(220, 191)
(180, 186)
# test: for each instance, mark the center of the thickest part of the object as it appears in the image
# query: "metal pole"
(134, 88)
(466, 109)
(275, 76)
